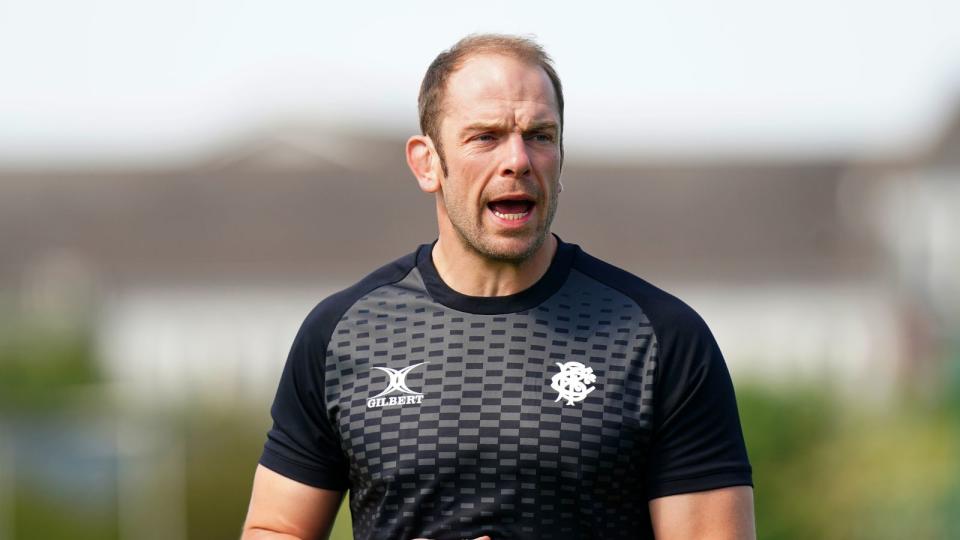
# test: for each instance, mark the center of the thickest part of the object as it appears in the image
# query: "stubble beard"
(475, 239)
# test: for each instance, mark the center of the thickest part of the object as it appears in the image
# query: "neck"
(471, 273)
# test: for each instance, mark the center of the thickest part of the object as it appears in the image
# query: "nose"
(516, 162)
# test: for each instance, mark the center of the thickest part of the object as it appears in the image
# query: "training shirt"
(555, 412)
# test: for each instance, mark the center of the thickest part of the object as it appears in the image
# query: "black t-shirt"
(555, 412)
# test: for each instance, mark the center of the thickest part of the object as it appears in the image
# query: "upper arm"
(696, 440)
(718, 514)
(304, 443)
(302, 473)
(281, 505)
(698, 476)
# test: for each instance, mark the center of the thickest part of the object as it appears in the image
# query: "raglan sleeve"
(303, 443)
(697, 442)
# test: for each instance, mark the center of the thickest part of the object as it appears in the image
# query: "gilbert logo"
(397, 383)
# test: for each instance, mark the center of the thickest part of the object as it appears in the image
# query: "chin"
(512, 249)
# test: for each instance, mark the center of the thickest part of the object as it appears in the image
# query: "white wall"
(224, 344)
(229, 344)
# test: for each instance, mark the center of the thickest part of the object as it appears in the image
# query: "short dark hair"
(434, 86)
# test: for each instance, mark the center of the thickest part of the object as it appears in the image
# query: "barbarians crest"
(571, 383)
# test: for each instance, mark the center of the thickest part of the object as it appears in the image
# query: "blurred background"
(181, 182)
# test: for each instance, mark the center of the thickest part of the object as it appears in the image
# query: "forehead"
(494, 85)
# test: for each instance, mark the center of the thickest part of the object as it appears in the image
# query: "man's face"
(500, 135)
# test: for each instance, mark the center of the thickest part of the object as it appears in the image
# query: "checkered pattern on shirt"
(490, 450)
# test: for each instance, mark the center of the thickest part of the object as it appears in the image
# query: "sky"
(111, 81)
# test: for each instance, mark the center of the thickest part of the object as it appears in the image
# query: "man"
(499, 382)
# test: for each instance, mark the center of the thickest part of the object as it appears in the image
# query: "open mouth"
(511, 209)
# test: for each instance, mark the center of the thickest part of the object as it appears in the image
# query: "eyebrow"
(541, 125)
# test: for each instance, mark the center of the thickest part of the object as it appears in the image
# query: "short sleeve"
(697, 442)
(303, 443)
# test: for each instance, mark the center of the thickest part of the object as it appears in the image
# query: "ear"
(424, 162)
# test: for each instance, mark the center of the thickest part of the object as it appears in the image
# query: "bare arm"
(717, 514)
(281, 508)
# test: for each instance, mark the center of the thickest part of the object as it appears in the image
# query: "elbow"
(251, 532)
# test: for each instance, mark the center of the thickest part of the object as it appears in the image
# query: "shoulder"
(323, 318)
(667, 313)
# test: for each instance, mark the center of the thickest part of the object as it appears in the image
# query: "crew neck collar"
(528, 298)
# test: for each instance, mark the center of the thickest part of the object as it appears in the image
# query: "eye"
(484, 137)
(541, 136)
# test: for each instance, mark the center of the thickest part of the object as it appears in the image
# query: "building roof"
(279, 210)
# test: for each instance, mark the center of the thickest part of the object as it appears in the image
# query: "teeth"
(511, 217)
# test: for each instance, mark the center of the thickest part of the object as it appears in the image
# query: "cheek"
(546, 159)
(468, 181)
(459, 192)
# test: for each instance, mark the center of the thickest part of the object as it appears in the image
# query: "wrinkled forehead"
(495, 84)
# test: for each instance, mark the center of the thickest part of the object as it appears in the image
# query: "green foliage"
(342, 528)
(36, 515)
(222, 449)
(781, 430)
(824, 468)
(222, 452)
(39, 367)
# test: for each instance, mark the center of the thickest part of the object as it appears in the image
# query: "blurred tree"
(41, 367)
(36, 515)
(222, 449)
(831, 469)
(781, 429)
